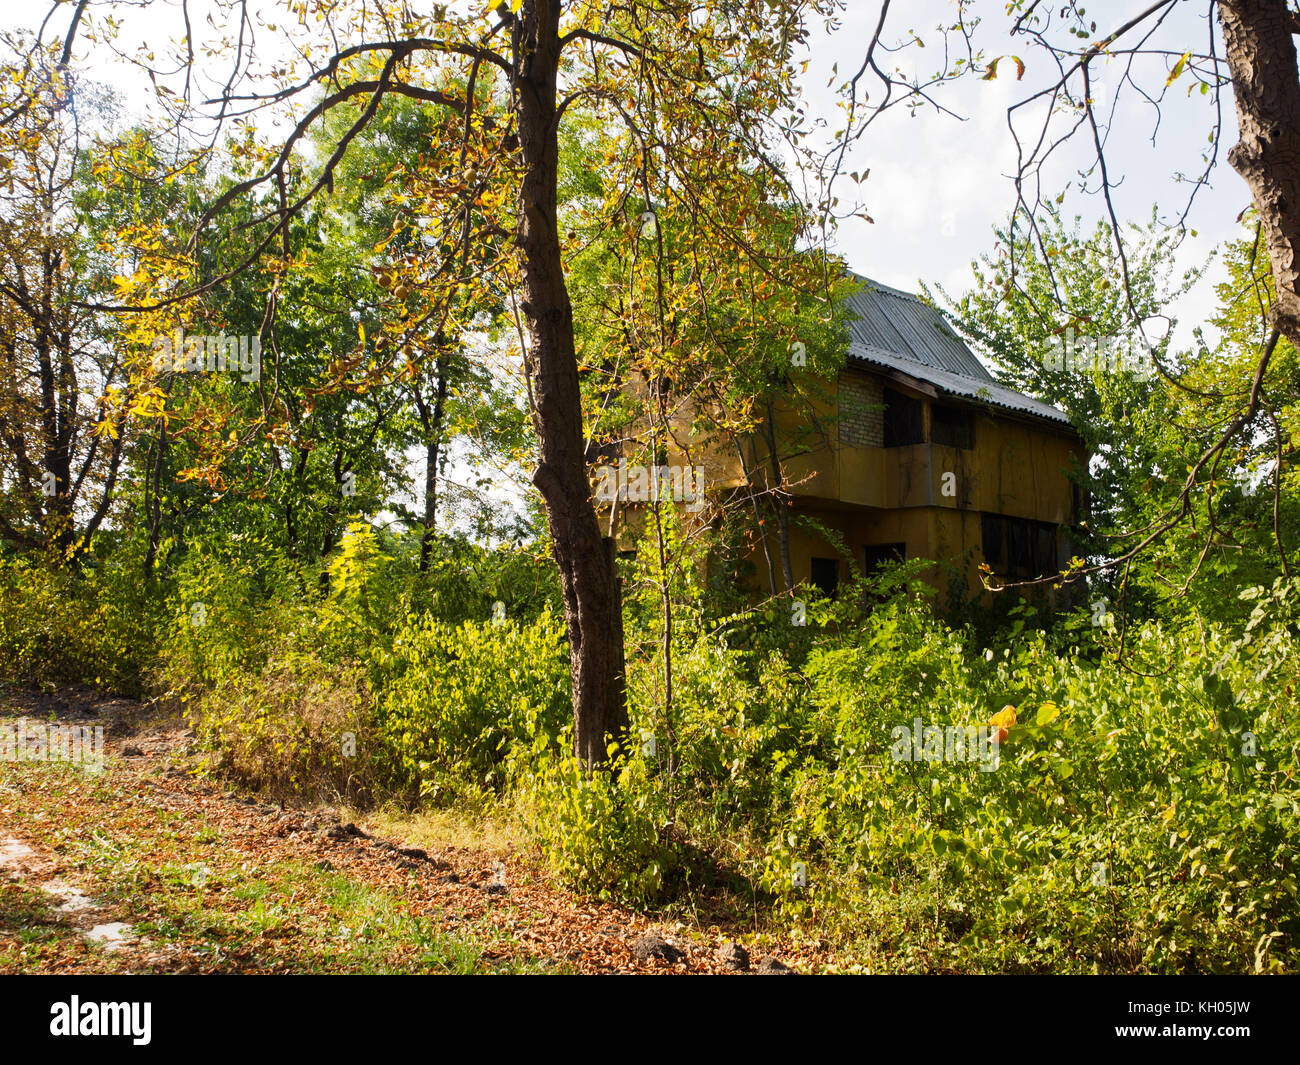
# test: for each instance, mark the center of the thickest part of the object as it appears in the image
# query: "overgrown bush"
(458, 698)
(96, 624)
(600, 831)
(299, 728)
(1142, 816)
(341, 692)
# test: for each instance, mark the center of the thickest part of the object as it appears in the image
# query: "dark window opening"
(952, 427)
(1019, 548)
(1018, 539)
(1045, 550)
(992, 533)
(826, 575)
(876, 555)
(902, 420)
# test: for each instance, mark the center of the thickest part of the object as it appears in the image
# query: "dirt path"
(145, 867)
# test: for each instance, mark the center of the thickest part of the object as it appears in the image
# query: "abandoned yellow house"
(915, 451)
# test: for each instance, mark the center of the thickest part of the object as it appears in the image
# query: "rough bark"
(587, 576)
(1266, 85)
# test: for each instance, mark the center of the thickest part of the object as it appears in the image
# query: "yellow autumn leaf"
(1178, 68)
(1004, 718)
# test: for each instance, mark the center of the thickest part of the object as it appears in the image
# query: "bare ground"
(148, 866)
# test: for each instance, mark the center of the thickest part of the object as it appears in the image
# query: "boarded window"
(902, 419)
(952, 427)
(1018, 548)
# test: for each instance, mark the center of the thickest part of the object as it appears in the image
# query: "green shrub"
(1140, 819)
(457, 697)
(1143, 815)
(598, 832)
(96, 625)
(299, 727)
(228, 613)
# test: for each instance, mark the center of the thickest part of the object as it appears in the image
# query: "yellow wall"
(877, 495)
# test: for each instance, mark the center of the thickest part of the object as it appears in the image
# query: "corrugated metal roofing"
(891, 320)
(896, 330)
(983, 391)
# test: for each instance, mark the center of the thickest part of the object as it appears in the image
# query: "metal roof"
(984, 391)
(896, 330)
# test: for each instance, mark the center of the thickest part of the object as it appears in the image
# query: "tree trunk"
(153, 499)
(1266, 86)
(431, 421)
(780, 507)
(587, 575)
(55, 454)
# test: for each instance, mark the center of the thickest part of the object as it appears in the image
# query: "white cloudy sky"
(938, 183)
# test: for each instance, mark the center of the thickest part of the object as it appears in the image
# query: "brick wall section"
(861, 414)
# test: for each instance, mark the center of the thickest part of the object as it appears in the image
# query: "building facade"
(914, 451)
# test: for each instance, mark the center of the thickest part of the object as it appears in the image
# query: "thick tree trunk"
(1266, 85)
(587, 575)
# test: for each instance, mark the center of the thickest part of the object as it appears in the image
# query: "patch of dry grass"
(492, 829)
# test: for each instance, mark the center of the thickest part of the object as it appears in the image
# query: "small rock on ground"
(734, 956)
(651, 945)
